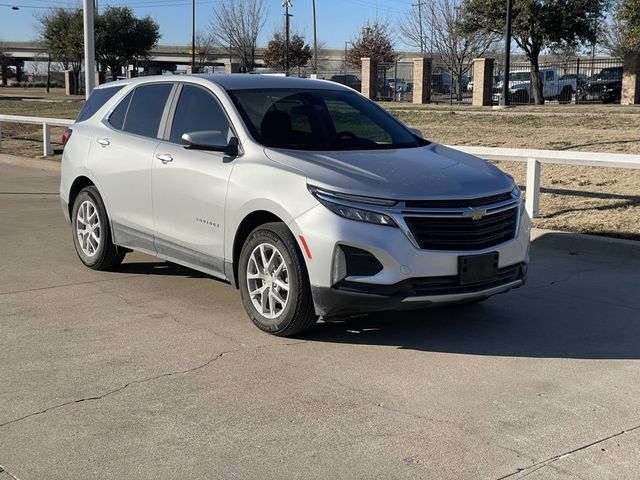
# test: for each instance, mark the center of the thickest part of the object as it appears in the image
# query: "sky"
(338, 20)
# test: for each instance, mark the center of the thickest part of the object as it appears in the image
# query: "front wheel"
(92, 233)
(274, 285)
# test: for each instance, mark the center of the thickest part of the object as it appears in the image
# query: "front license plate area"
(478, 268)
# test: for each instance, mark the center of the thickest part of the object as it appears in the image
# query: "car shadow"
(160, 268)
(494, 328)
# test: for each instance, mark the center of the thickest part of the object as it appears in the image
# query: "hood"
(429, 172)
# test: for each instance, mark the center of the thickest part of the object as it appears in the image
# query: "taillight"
(66, 136)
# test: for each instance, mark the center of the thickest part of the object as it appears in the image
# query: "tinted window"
(145, 110)
(96, 100)
(116, 119)
(320, 120)
(197, 110)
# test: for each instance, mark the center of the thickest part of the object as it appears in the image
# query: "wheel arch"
(78, 184)
(247, 225)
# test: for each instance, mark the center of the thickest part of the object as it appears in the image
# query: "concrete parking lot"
(154, 371)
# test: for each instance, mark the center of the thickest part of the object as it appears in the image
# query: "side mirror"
(212, 141)
(416, 131)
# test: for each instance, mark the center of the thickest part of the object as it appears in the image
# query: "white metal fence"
(534, 158)
(46, 123)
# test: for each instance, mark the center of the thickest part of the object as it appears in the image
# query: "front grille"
(474, 202)
(463, 233)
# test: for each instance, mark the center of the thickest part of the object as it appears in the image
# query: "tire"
(521, 97)
(96, 250)
(275, 243)
(565, 95)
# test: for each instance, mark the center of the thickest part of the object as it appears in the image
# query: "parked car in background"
(349, 80)
(580, 78)
(305, 195)
(605, 87)
(553, 87)
(444, 82)
(496, 79)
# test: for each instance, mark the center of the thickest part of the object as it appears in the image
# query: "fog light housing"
(353, 262)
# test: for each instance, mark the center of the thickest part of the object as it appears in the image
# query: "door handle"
(103, 141)
(164, 157)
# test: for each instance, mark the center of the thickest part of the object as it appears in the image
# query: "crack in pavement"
(51, 287)
(526, 471)
(144, 380)
(4, 470)
(561, 280)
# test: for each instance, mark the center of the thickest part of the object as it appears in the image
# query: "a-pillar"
(631, 80)
(482, 82)
(369, 77)
(422, 80)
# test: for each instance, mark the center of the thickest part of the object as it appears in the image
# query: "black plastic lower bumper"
(348, 298)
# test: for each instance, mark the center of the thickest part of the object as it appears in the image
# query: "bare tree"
(204, 49)
(236, 24)
(455, 45)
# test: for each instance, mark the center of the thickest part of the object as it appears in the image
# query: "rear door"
(121, 156)
(190, 186)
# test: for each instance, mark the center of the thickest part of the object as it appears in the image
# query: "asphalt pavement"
(154, 371)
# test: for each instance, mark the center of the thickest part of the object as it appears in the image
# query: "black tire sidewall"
(91, 194)
(264, 234)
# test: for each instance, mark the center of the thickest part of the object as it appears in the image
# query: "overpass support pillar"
(19, 70)
(482, 82)
(631, 80)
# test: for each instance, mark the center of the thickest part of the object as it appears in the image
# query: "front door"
(190, 186)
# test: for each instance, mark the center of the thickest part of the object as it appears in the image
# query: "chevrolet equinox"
(304, 194)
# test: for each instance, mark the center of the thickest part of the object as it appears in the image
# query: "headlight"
(334, 202)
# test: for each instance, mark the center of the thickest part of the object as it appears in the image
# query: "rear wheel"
(274, 285)
(565, 94)
(92, 232)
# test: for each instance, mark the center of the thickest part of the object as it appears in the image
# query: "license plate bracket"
(478, 268)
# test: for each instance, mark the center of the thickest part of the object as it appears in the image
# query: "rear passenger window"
(145, 109)
(116, 119)
(96, 100)
(197, 110)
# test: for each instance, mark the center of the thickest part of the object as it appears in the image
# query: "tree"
(628, 18)
(236, 24)
(374, 41)
(63, 36)
(538, 25)
(299, 52)
(456, 46)
(121, 38)
(5, 62)
(204, 49)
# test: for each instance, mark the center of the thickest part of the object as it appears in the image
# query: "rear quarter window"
(96, 100)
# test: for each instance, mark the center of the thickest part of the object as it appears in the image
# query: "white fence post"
(46, 139)
(533, 188)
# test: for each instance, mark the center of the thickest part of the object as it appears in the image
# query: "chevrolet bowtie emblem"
(476, 214)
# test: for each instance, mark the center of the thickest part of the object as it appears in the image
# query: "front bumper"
(349, 298)
(403, 264)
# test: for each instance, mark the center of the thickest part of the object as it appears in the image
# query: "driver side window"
(197, 110)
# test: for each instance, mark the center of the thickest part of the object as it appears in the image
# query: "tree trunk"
(536, 80)
(114, 71)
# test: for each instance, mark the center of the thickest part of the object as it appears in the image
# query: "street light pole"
(89, 47)
(193, 36)
(287, 4)
(504, 100)
(315, 40)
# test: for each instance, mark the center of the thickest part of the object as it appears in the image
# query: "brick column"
(422, 80)
(231, 67)
(369, 78)
(631, 80)
(482, 82)
(69, 83)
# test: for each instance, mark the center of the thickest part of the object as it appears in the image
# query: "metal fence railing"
(451, 85)
(579, 80)
(394, 81)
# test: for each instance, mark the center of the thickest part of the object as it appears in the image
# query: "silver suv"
(305, 195)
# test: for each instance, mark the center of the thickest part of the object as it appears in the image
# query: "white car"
(304, 194)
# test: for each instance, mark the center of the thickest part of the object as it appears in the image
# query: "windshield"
(519, 76)
(608, 74)
(320, 120)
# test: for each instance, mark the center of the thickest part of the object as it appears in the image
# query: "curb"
(39, 164)
(581, 243)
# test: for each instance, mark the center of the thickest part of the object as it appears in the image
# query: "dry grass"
(592, 200)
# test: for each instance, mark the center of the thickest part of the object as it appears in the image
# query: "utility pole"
(315, 40)
(89, 47)
(504, 100)
(193, 36)
(287, 5)
(419, 5)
